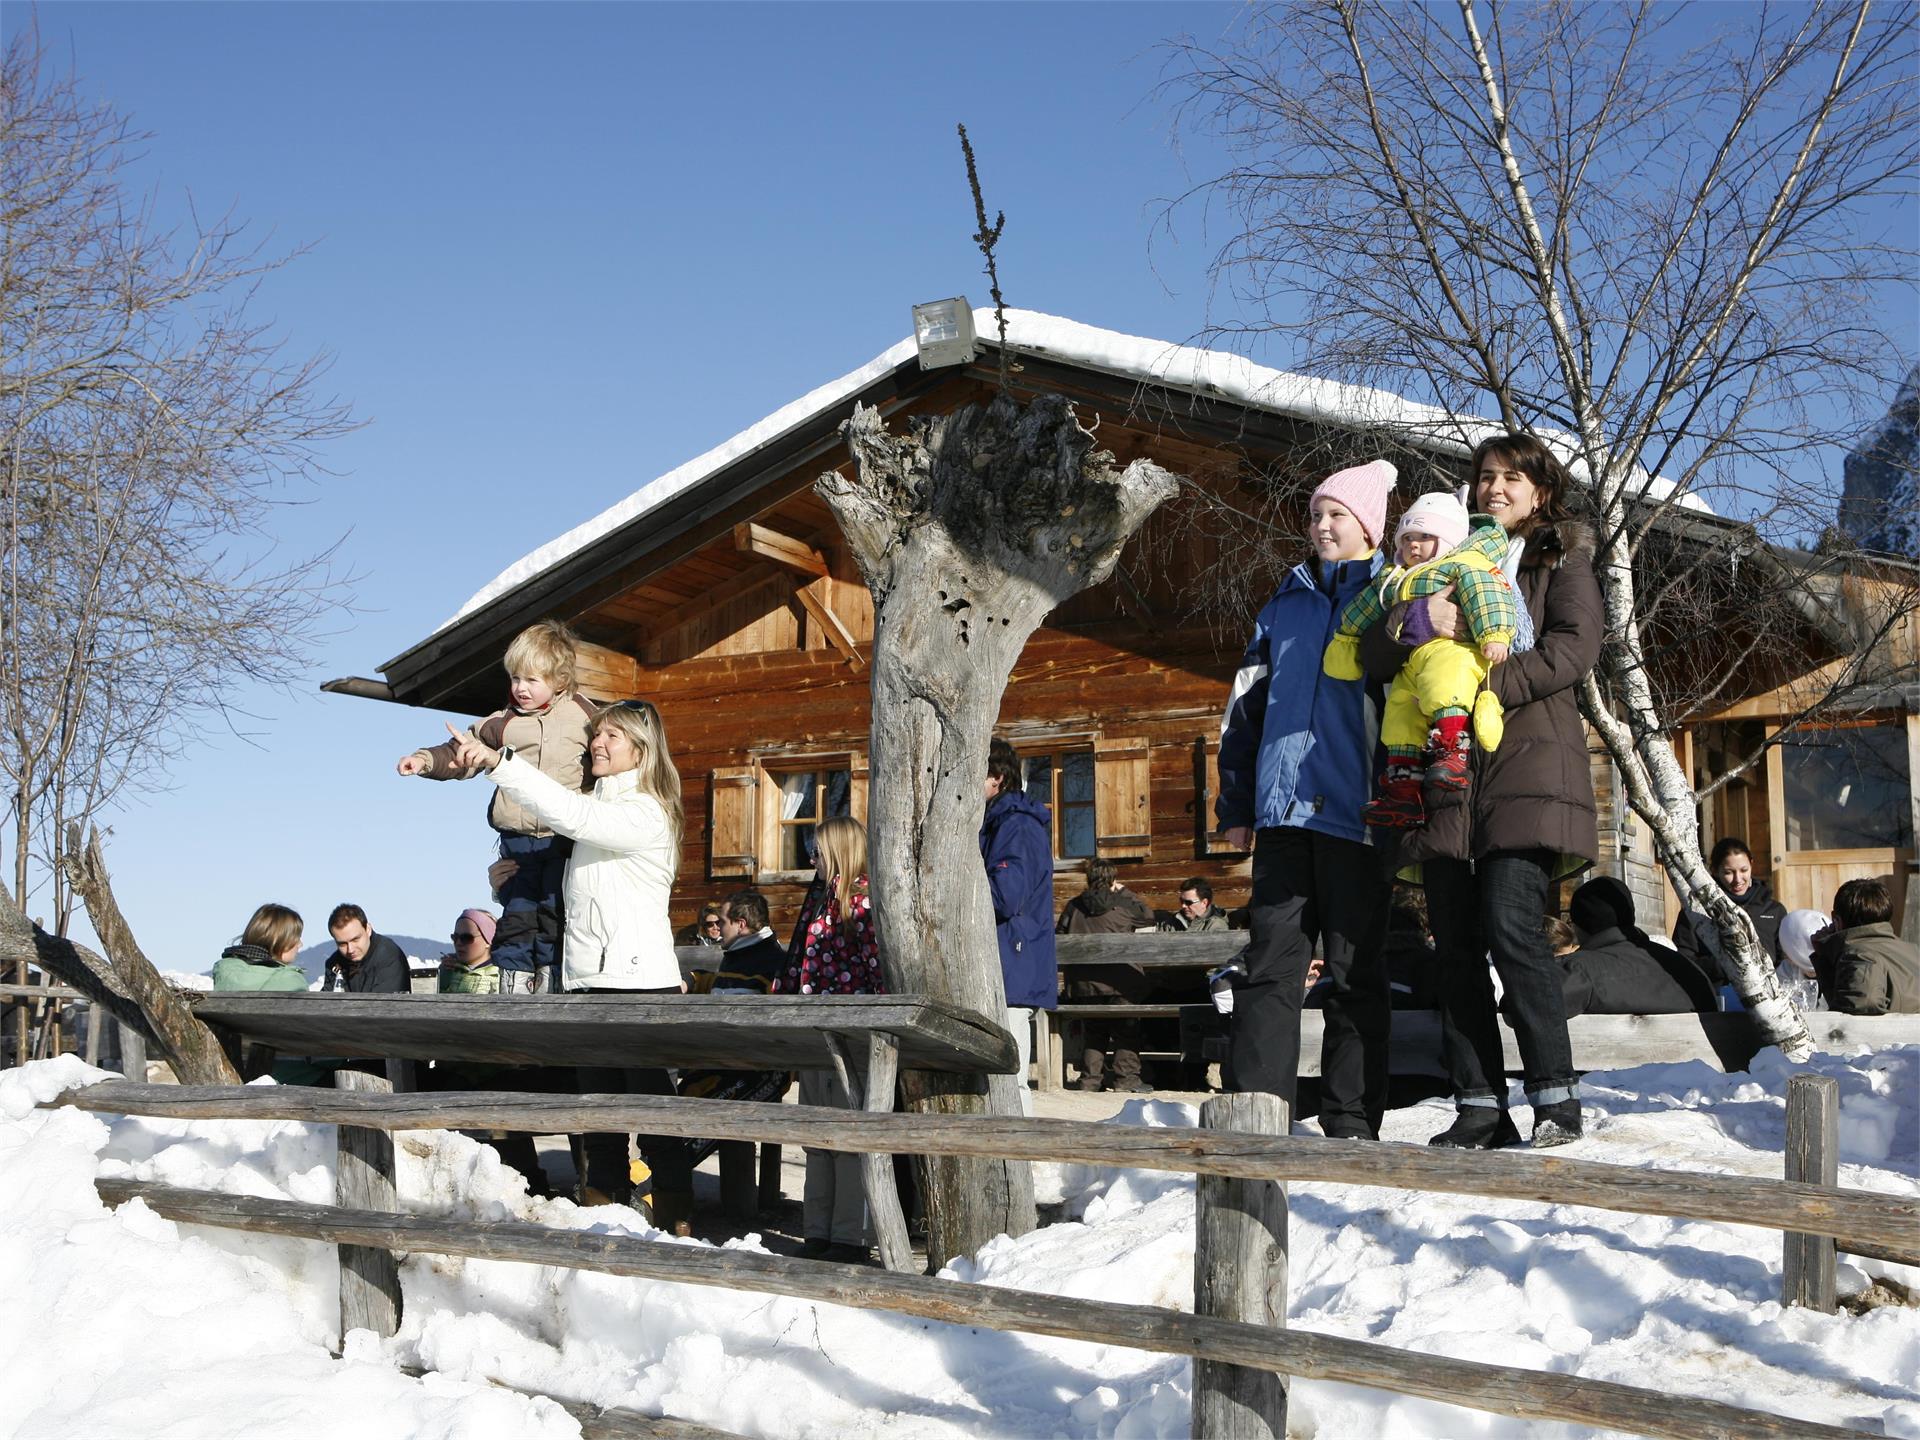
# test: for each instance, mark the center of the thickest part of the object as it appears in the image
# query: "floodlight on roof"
(943, 329)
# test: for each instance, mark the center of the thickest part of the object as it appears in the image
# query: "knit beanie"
(1363, 490)
(1437, 514)
(482, 921)
(1603, 903)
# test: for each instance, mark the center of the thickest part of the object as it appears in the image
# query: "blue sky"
(558, 250)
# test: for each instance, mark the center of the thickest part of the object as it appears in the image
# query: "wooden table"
(709, 1032)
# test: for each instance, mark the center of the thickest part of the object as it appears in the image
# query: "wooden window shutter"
(857, 785)
(731, 821)
(1122, 799)
(1206, 790)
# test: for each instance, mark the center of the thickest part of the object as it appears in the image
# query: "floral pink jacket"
(827, 959)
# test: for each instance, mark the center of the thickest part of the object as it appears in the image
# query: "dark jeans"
(606, 1155)
(1499, 905)
(1306, 886)
(528, 935)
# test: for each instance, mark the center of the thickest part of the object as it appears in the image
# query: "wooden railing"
(1237, 1144)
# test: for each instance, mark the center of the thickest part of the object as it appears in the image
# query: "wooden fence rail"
(1886, 1224)
(1500, 1389)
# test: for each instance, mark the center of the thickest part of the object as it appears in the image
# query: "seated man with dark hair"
(1618, 970)
(751, 959)
(1197, 915)
(363, 962)
(1861, 966)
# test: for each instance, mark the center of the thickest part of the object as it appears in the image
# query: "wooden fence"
(1242, 1350)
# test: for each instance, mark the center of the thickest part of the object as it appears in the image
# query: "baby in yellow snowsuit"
(1442, 683)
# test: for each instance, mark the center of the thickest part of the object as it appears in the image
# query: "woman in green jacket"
(264, 958)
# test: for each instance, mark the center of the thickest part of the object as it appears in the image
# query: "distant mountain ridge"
(313, 959)
(1880, 506)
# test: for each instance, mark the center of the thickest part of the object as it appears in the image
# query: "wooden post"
(1240, 1273)
(363, 1180)
(876, 1170)
(133, 1053)
(1813, 1157)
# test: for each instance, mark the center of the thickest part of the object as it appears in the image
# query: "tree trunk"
(188, 1045)
(968, 532)
(1664, 798)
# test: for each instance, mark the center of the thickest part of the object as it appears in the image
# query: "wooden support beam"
(813, 600)
(1499, 1389)
(1240, 1273)
(363, 1179)
(752, 576)
(1813, 1158)
(752, 539)
(1857, 1218)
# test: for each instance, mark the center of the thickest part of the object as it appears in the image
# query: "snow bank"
(142, 1326)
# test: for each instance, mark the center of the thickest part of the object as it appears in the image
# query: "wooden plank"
(769, 544)
(883, 1191)
(40, 992)
(814, 602)
(363, 1180)
(1499, 1389)
(1854, 1217)
(1240, 1273)
(1813, 1157)
(1162, 948)
(716, 1032)
(1122, 785)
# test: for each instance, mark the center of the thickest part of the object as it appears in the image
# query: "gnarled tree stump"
(968, 531)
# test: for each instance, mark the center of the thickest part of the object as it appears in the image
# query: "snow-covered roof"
(1192, 369)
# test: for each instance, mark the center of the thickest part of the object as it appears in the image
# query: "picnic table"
(707, 1032)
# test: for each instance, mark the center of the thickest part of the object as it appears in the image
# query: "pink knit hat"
(482, 921)
(1363, 490)
(1437, 514)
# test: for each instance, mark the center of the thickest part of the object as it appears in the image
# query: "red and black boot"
(1447, 745)
(1398, 805)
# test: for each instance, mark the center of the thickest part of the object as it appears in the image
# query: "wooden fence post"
(363, 1180)
(1240, 1273)
(1813, 1157)
(133, 1052)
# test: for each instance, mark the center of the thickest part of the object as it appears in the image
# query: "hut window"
(1064, 781)
(1846, 787)
(798, 800)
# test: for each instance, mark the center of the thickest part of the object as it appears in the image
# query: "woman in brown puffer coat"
(1489, 857)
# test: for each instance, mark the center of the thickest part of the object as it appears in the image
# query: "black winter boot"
(1556, 1124)
(1478, 1127)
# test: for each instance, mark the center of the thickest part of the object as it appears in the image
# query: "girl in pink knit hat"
(1296, 763)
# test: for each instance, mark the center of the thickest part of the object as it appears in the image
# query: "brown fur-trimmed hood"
(1549, 545)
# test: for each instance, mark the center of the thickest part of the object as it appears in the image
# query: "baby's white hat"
(1797, 930)
(1437, 514)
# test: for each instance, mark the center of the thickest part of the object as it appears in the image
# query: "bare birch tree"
(148, 426)
(1667, 250)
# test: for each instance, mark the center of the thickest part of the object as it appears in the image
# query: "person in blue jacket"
(1016, 844)
(1297, 760)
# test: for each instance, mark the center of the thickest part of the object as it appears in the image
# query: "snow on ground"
(139, 1326)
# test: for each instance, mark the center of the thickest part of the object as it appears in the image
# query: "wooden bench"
(1728, 1041)
(707, 1032)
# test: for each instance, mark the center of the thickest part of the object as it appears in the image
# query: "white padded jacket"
(618, 936)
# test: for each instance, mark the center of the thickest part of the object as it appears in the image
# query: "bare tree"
(148, 428)
(1657, 248)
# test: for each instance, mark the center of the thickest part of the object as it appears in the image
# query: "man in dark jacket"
(1016, 845)
(1618, 970)
(751, 959)
(363, 962)
(1862, 967)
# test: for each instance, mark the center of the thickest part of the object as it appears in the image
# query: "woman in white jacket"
(626, 848)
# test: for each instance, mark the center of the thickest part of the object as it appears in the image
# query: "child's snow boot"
(1447, 753)
(1398, 806)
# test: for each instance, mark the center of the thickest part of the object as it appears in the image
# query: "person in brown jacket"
(547, 723)
(1490, 856)
(1106, 907)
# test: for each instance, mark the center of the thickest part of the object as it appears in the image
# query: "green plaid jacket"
(1472, 568)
